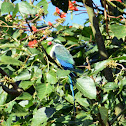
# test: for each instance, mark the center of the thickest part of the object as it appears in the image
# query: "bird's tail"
(71, 87)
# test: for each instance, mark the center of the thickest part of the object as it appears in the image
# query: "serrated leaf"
(9, 60)
(87, 86)
(24, 75)
(43, 90)
(115, 28)
(6, 7)
(42, 115)
(26, 84)
(104, 114)
(62, 73)
(24, 96)
(51, 77)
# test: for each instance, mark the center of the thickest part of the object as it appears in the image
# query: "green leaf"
(64, 119)
(26, 8)
(110, 86)
(8, 45)
(18, 110)
(24, 75)
(68, 32)
(51, 77)
(42, 115)
(115, 28)
(26, 84)
(80, 100)
(6, 7)
(9, 120)
(99, 66)
(3, 96)
(16, 34)
(87, 86)
(84, 119)
(62, 73)
(43, 3)
(0, 4)
(43, 90)
(69, 98)
(9, 106)
(16, 9)
(120, 58)
(9, 60)
(104, 114)
(24, 96)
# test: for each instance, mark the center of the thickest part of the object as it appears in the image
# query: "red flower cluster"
(72, 6)
(34, 28)
(61, 14)
(117, 0)
(32, 43)
(49, 23)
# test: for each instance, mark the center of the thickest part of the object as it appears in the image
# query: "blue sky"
(78, 16)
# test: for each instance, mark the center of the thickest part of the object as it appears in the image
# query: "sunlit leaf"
(26, 8)
(9, 60)
(115, 28)
(24, 96)
(24, 75)
(62, 73)
(104, 114)
(110, 86)
(51, 77)
(6, 7)
(87, 86)
(42, 115)
(26, 84)
(43, 90)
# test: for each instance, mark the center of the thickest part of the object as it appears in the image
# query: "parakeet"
(65, 59)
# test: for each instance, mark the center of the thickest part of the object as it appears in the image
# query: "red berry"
(49, 43)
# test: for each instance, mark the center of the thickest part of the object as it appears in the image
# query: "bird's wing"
(63, 54)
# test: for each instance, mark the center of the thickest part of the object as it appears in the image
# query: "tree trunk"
(98, 36)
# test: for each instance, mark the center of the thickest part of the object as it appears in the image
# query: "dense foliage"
(34, 89)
